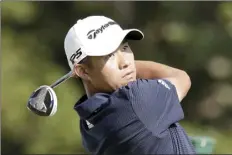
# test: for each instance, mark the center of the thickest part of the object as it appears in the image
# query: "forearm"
(154, 70)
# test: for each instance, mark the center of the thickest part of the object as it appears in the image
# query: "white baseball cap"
(95, 36)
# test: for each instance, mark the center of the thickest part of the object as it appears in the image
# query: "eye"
(124, 47)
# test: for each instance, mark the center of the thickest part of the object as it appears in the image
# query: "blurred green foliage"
(194, 36)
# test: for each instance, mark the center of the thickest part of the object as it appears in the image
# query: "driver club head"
(43, 101)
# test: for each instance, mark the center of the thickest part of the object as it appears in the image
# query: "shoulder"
(150, 84)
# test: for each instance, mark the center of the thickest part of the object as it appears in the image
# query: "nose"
(123, 62)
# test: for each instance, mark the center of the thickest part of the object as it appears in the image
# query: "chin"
(124, 83)
(131, 80)
(119, 86)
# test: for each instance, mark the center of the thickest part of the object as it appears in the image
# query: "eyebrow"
(123, 42)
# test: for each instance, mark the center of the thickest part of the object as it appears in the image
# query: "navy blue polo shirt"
(140, 118)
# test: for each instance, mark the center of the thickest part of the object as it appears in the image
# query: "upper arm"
(182, 83)
(156, 103)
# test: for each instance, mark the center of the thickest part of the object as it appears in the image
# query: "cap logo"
(76, 55)
(92, 34)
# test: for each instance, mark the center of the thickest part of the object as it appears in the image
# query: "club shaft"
(61, 80)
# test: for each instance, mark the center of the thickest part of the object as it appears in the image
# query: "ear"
(81, 71)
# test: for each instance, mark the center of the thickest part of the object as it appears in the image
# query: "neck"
(89, 89)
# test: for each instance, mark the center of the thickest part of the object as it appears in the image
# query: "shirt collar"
(86, 106)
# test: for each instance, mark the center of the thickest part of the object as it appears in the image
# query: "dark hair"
(86, 61)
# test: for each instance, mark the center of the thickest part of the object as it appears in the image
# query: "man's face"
(112, 71)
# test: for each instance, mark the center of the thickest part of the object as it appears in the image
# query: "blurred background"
(194, 36)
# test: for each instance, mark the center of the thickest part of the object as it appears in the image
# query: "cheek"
(104, 74)
(130, 57)
(105, 71)
(110, 67)
(111, 74)
(110, 70)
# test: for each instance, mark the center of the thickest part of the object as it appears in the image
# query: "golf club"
(43, 101)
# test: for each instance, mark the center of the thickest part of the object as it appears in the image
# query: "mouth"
(128, 73)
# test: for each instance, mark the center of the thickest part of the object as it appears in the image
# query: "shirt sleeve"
(156, 104)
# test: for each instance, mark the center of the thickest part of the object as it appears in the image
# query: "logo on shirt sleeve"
(164, 83)
(89, 124)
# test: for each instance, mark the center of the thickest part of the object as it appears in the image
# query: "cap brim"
(133, 34)
(111, 43)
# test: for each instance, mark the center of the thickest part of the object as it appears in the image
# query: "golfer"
(130, 106)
